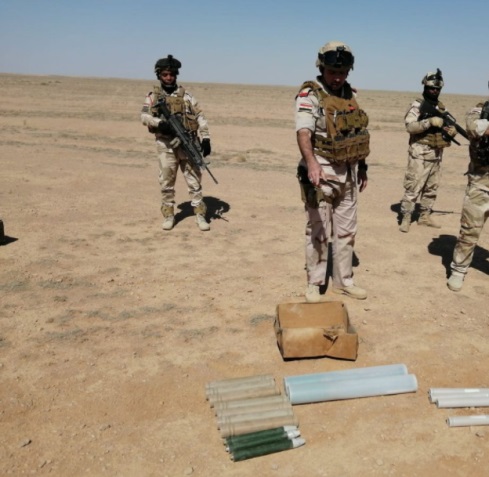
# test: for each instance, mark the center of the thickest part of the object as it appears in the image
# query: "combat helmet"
(167, 64)
(435, 80)
(335, 54)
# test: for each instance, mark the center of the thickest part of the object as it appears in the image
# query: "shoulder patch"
(305, 108)
(304, 94)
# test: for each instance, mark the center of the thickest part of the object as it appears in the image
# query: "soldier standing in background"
(170, 157)
(333, 142)
(476, 200)
(426, 144)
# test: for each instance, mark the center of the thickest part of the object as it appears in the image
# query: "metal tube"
(459, 421)
(235, 411)
(223, 392)
(352, 388)
(233, 381)
(474, 401)
(244, 403)
(372, 371)
(244, 393)
(260, 425)
(254, 416)
(254, 381)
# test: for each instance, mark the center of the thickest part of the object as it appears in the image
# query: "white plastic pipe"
(436, 393)
(460, 421)
(371, 371)
(352, 388)
(464, 401)
(460, 395)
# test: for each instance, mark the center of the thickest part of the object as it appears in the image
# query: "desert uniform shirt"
(309, 114)
(415, 126)
(191, 106)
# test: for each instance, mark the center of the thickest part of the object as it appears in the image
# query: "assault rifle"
(427, 110)
(189, 144)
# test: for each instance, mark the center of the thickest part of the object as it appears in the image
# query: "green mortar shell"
(251, 436)
(261, 440)
(265, 449)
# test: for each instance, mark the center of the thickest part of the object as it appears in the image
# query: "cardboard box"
(311, 330)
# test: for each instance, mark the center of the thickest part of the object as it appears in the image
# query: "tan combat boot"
(406, 222)
(456, 281)
(312, 294)
(426, 220)
(168, 217)
(200, 212)
(352, 291)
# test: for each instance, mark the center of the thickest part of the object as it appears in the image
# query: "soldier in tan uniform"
(476, 200)
(170, 156)
(333, 142)
(426, 144)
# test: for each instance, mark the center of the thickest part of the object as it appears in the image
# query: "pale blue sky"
(250, 41)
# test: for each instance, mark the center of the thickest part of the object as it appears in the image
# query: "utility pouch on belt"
(309, 194)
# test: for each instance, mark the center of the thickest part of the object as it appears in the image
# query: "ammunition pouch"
(432, 137)
(177, 106)
(340, 149)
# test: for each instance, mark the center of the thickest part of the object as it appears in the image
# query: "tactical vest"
(432, 136)
(177, 105)
(346, 127)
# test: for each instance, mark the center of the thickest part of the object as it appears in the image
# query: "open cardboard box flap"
(311, 330)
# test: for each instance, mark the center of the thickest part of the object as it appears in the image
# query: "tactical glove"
(175, 142)
(436, 122)
(452, 131)
(164, 128)
(206, 147)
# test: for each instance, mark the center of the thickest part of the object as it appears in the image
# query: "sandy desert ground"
(110, 328)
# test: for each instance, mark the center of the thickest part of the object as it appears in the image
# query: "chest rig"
(177, 106)
(432, 136)
(346, 127)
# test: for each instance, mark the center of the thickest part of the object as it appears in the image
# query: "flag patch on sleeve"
(305, 107)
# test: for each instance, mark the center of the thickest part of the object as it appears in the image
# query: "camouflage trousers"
(169, 161)
(335, 219)
(421, 180)
(474, 215)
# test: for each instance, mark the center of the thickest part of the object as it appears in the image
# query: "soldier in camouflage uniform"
(426, 145)
(170, 156)
(333, 142)
(476, 200)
